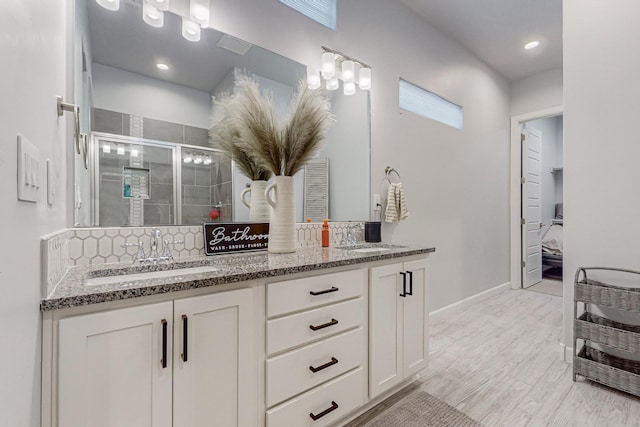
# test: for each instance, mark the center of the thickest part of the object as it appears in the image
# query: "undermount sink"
(371, 248)
(128, 275)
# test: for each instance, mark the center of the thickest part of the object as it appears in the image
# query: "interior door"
(531, 206)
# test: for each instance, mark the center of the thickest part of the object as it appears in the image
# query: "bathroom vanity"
(309, 338)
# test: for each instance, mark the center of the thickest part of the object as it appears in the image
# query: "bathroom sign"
(235, 237)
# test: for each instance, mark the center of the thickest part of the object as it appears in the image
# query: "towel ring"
(388, 171)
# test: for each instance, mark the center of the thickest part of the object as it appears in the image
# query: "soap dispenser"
(325, 234)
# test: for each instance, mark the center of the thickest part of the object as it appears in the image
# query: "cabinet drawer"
(291, 373)
(300, 294)
(346, 391)
(308, 326)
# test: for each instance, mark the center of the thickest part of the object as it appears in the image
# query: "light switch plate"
(376, 202)
(28, 170)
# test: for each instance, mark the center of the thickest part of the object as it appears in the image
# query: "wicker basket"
(612, 371)
(599, 329)
(598, 293)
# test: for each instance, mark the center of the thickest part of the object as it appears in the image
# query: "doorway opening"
(537, 201)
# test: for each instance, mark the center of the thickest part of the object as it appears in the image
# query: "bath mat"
(420, 409)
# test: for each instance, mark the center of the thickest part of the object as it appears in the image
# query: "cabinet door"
(385, 328)
(216, 384)
(110, 368)
(415, 316)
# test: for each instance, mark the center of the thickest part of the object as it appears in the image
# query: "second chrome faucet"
(154, 257)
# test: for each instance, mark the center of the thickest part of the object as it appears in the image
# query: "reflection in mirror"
(164, 112)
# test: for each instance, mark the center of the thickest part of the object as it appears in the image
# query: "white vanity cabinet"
(185, 362)
(315, 348)
(398, 319)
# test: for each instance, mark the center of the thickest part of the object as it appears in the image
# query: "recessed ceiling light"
(163, 67)
(532, 45)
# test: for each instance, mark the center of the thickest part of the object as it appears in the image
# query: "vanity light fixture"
(106, 148)
(349, 88)
(120, 150)
(313, 79)
(338, 66)
(199, 12)
(333, 83)
(161, 66)
(109, 4)
(532, 45)
(152, 16)
(328, 65)
(190, 30)
(162, 5)
(364, 78)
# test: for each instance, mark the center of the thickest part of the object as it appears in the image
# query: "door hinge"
(522, 180)
(522, 221)
(522, 137)
(523, 264)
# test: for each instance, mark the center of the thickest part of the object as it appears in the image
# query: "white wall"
(456, 181)
(537, 92)
(126, 92)
(34, 51)
(601, 111)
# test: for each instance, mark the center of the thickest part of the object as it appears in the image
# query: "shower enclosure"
(140, 182)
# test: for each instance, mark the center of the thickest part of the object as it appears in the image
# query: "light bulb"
(152, 16)
(134, 152)
(106, 148)
(163, 67)
(199, 12)
(207, 160)
(313, 79)
(110, 4)
(190, 30)
(348, 71)
(197, 160)
(532, 45)
(188, 158)
(120, 150)
(333, 83)
(328, 65)
(364, 78)
(349, 88)
(159, 4)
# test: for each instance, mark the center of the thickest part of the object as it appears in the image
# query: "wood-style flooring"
(499, 363)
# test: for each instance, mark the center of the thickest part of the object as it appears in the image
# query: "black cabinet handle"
(404, 284)
(324, 325)
(326, 291)
(163, 361)
(410, 273)
(185, 335)
(325, 366)
(333, 407)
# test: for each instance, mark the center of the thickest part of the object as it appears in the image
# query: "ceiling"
(496, 31)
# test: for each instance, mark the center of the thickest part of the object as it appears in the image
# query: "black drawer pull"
(333, 407)
(324, 325)
(404, 284)
(410, 273)
(185, 337)
(163, 361)
(325, 366)
(326, 291)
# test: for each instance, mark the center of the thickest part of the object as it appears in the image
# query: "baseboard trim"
(457, 307)
(566, 353)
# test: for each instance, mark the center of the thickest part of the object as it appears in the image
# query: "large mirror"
(150, 158)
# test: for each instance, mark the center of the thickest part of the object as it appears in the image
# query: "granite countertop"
(72, 290)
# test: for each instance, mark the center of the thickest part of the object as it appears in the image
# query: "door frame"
(515, 190)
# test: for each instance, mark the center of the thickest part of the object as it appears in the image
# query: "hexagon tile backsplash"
(92, 246)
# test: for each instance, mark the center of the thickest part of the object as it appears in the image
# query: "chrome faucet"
(154, 257)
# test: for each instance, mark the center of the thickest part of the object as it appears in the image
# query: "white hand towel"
(396, 209)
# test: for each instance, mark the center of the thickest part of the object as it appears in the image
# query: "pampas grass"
(249, 127)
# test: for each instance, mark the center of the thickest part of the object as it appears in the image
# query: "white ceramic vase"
(258, 207)
(282, 224)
